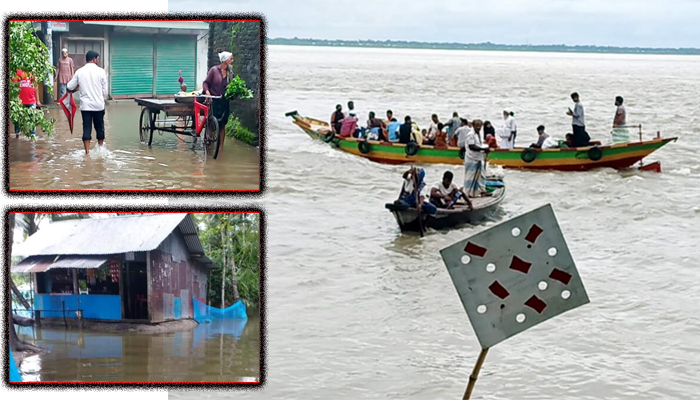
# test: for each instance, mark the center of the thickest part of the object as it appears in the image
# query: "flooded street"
(171, 163)
(220, 351)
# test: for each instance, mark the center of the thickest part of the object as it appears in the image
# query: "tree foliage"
(241, 246)
(29, 54)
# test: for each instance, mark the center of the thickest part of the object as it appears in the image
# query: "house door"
(77, 49)
(135, 295)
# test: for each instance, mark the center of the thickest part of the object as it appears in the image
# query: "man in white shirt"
(474, 159)
(445, 193)
(508, 132)
(92, 82)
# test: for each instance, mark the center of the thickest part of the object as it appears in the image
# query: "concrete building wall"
(202, 58)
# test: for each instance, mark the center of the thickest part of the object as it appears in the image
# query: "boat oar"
(418, 206)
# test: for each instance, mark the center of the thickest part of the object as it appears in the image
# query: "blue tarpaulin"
(203, 313)
(14, 372)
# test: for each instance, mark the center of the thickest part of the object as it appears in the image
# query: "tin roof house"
(145, 267)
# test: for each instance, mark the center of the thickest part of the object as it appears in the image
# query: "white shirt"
(471, 155)
(432, 131)
(443, 190)
(550, 143)
(461, 134)
(93, 87)
(509, 126)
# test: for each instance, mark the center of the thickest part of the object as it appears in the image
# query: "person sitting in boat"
(337, 119)
(441, 137)
(568, 143)
(452, 125)
(349, 125)
(474, 160)
(544, 141)
(445, 193)
(376, 127)
(413, 185)
(389, 117)
(490, 135)
(392, 130)
(462, 132)
(406, 130)
(429, 139)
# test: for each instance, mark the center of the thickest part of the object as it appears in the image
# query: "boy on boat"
(578, 122)
(445, 193)
(337, 119)
(620, 133)
(544, 141)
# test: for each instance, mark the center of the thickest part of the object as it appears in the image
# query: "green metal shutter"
(131, 65)
(175, 53)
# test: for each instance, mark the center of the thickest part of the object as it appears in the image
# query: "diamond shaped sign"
(514, 275)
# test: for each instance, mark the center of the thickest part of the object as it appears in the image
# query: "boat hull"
(618, 156)
(407, 218)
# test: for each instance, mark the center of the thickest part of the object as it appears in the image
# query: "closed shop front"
(131, 62)
(175, 53)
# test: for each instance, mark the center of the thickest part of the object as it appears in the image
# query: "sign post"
(512, 277)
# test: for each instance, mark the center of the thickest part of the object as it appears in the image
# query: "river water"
(220, 351)
(355, 309)
(172, 162)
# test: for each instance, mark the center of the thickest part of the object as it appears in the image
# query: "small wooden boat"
(484, 208)
(618, 156)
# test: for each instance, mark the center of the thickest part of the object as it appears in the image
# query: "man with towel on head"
(215, 84)
(65, 69)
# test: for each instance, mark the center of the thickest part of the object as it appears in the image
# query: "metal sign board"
(58, 26)
(514, 275)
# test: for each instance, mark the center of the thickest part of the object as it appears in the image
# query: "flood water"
(172, 162)
(220, 351)
(357, 310)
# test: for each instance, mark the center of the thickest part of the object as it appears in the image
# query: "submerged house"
(145, 267)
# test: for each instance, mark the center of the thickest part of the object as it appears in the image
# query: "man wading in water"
(92, 82)
(215, 85)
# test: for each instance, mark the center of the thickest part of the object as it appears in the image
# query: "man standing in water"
(65, 69)
(92, 81)
(581, 138)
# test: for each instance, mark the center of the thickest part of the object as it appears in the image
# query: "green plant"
(29, 54)
(237, 89)
(235, 129)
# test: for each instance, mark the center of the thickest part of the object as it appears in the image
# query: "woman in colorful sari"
(474, 159)
(215, 84)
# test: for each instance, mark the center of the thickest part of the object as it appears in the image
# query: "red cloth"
(491, 141)
(69, 108)
(27, 92)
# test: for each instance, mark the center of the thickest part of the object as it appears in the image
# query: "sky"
(633, 23)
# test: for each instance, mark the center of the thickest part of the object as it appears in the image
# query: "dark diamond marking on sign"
(498, 289)
(475, 250)
(534, 233)
(536, 304)
(560, 276)
(520, 265)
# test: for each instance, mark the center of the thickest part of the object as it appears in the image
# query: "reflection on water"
(220, 351)
(172, 162)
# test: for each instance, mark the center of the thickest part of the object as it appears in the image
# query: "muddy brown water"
(58, 162)
(220, 351)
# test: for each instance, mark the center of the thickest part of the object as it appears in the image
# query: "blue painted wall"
(94, 306)
(14, 372)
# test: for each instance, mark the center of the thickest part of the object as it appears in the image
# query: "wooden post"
(149, 284)
(475, 374)
(37, 318)
(75, 282)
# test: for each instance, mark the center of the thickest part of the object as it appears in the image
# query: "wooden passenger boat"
(484, 208)
(618, 156)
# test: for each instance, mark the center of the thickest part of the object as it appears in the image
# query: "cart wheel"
(144, 124)
(211, 136)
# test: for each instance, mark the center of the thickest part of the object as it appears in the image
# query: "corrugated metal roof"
(101, 236)
(154, 24)
(42, 264)
(189, 232)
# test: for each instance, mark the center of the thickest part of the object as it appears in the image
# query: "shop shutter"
(175, 53)
(131, 65)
